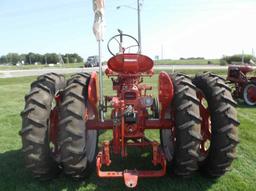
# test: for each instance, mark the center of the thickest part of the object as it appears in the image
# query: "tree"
(3, 60)
(65, 58)
(13, 58)
(32, 58)
(52, 58)
(238, 58)
(23, 58)
(74, 58)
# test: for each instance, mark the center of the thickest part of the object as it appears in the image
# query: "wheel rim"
(53, 131)
(91, 141)
(205, 125)
(155, 108)
(250, 94)
(168, 139)
(91, 144)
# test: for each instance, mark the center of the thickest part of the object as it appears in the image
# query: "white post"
(101, 84)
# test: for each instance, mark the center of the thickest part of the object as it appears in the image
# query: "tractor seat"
(243, 68)
(130, 64)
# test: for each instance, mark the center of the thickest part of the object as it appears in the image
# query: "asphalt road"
(37, 72)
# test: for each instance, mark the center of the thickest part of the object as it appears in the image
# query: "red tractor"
(196, 118)
(245, 88)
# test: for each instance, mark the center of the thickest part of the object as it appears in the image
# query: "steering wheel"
(120, 43)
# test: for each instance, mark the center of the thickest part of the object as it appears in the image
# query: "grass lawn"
(189, 62)
(13, 175)
(192, 72)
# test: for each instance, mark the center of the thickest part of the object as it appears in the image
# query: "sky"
(170, 28)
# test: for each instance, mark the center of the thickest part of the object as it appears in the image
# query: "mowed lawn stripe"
(13, 175)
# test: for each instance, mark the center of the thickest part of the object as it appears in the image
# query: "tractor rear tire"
(183, 153)
(224, 132)
(36, 124)
(78, 147)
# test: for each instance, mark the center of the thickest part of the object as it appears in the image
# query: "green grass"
(189, 62)
(13, 175)
(192, 72)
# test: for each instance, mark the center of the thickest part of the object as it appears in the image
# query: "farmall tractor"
(196, 118)
(244, 87)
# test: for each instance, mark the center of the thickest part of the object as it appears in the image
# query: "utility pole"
(138, 9)
(61, 60)
(162, 51)
(243, 57)
(139, 26)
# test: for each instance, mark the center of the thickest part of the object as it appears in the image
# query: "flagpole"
(101, 83)
(98, 8)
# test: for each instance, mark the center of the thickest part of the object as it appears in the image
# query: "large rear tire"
(36, 125)
(224, 132)
(181, 146)
(78, 146)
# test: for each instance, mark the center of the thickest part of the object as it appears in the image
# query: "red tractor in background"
(245, 87)
(196, 118)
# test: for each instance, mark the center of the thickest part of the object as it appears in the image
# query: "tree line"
(239, 58)
(35, 58)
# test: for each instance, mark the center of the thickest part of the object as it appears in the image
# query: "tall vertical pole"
(243, 57)
(139, 29)
(162, 51)
(98, 8)
(101, 84)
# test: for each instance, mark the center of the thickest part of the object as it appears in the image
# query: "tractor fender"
(166, 92)
(93, 95)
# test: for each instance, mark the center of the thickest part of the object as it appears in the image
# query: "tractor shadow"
(13, 176)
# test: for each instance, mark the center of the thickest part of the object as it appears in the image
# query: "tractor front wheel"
(78, 146)
(219, 124)
(37, 123)
(249, 94)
